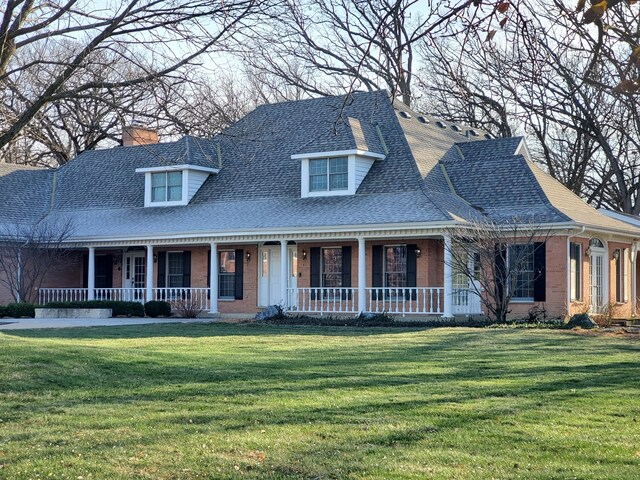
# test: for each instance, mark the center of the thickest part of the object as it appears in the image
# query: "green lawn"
(245, 401)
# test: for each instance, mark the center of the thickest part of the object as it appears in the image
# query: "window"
(576, 271)
(166, 187)
(328, 174)
(175, 269)
(622, 276)
(332, 267)
(522, 273)
(395, 266)
(227, 274)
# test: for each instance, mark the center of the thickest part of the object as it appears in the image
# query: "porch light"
(247, 256)
(616, 254)
(587, 252)
(418, 252)
(304, 254)
(155, 258)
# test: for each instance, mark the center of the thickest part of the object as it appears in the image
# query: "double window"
(332, 267)
(328, 174)
(622, 274)
(166, 187)
(175, 269)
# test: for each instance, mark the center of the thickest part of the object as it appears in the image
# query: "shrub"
(581, 320)
(157, 308)
(129, 309)
(18, 310)
(187, 308)
(2, 313)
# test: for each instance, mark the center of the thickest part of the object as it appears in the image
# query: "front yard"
(245, 401)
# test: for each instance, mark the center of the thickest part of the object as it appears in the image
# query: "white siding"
(195, 180)
(362, 168)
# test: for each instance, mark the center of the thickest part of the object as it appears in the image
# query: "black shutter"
(346, 272)
(85, 271)
(314, 274)
(574, 248)
(539, 271)
(377, 252)
(209, 274)
(412, 270)
(240, 275)
(500, 270)
(186, 269)
(108, 270)
(162, 270)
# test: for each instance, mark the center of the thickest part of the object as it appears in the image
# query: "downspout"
(569, 237)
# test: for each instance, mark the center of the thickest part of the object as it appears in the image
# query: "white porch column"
(149, 274)
(362, 274)
(213, 278)
(91, 274)
(448, 278)
(284, 275)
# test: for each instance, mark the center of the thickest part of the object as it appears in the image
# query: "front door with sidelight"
(134, 276)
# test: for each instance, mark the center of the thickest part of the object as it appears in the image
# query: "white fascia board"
(523, 150)
(338, 153)
(170, 168)
(292, 233)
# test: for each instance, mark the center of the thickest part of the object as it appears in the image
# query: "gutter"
(569, 237)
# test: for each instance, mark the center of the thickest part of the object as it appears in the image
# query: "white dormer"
(173, 185)
(341, 172)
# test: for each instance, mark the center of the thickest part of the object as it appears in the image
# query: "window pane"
(396, 266)
(338, 181)
(228, 262)
(339, 165)
(317, 183)
(332, 267)
(175, 193)
(174, 179)
(158, 179)
(158, 194)
(318, 167)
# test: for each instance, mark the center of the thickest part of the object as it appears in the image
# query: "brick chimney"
(137, 135)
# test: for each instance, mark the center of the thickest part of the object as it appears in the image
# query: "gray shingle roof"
(430, 175)
(25, 193)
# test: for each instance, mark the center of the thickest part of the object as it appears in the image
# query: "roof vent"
(472, 133)
(456, 128)
(488, 136)
(422, 119)
(404, 114)
(440, 124)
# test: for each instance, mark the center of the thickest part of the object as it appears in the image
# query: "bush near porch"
(254, 401)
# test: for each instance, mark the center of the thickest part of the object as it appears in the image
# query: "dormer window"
(173, 185)
(166, 187)
(325, 174)
(328, 174)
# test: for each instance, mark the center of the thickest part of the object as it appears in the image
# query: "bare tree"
(160, 38)
(29, 252)
(324, 46)
(497, 261)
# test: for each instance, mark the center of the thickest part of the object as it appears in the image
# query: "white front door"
(596, 279)
(269, 283)
(134, 276)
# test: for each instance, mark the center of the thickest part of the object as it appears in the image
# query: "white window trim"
(351, 170)
(384, 263)
(185, 169)
(166, 273)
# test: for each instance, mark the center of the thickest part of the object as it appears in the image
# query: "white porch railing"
(47, 295)
(199, 297)
(406, 301)
(466, 302)
(322, 300)
(120, 294)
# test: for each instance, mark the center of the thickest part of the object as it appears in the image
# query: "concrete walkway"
(28, 323)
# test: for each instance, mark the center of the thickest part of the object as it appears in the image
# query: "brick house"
(328, 205)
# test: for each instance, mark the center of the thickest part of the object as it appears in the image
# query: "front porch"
(395, 301)
(398, 276)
